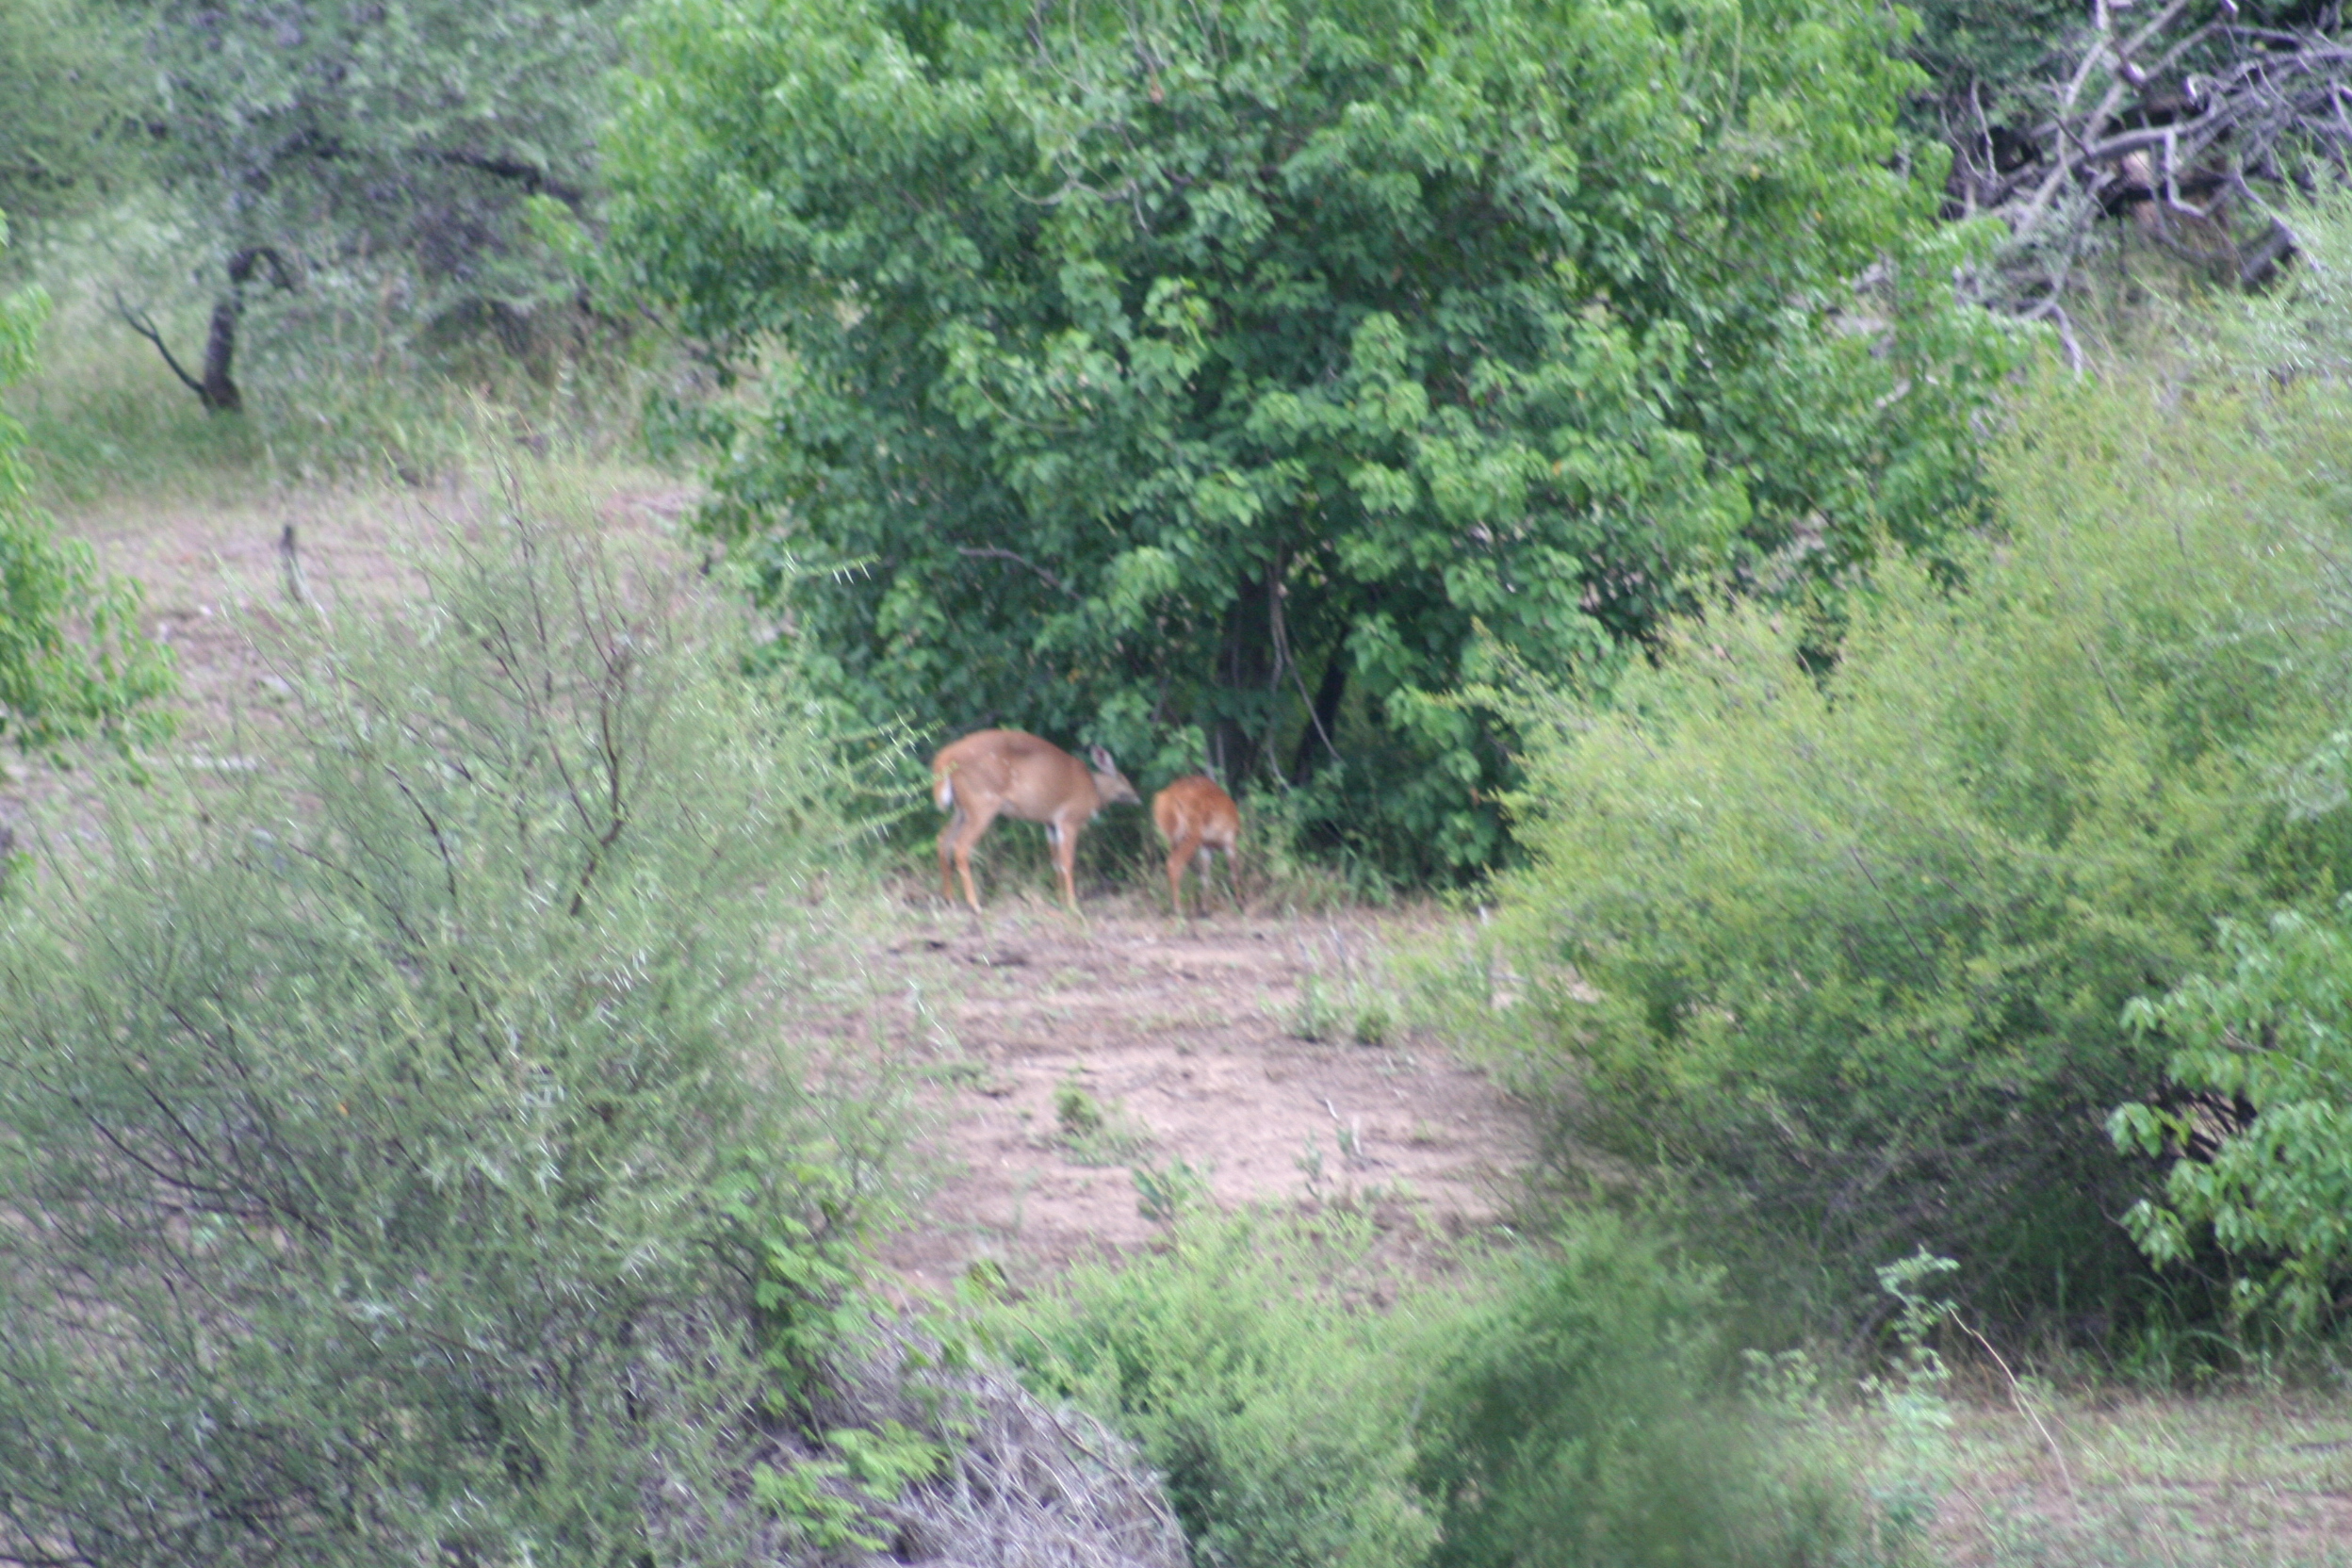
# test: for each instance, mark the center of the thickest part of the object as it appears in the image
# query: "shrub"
(391, 1136)
(1308, 1407)
(1575, 1420)
(1216, 374)
(1280, 1418)
(51, 689)
(1862, 936)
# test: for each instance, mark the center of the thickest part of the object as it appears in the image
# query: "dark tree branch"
(2186, 130)
(146, 329)
(535, 181)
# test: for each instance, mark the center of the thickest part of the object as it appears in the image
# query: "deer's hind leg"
(957, 842)
(1180, 854)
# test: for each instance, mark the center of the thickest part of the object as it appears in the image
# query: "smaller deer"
(993, 773)
(1196, 817)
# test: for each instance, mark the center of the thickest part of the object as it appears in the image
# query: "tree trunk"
(215, 390)
(1245, 670)
(218, 389)
(1323, 717)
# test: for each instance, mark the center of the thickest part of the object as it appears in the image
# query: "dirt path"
(1184, 1043)
(1075, 1056)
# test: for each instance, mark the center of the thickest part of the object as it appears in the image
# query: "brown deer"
(1195, 817)
(993, 773)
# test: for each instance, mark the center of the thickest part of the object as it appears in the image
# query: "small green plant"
(1310, 1163)
(1078, 1113)
(1911, 1398)
(1164, 1194)
(823, 1517)
(1092, 1131)
(1343, 990)
(1313, 1016)
(828, 1501)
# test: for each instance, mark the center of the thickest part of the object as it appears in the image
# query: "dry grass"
(2260, 1477)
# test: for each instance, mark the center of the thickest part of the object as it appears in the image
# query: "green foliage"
(391, 1133)
(878, 1466)
(1307, 1407)
(68, 90)
(54, 685)
(1912, 1396)
(1279, 1419)
(1165, 1194)
(1839, 956)
(1573, 1422)
(1159, 375)
(2272, 1035)
(360, 172)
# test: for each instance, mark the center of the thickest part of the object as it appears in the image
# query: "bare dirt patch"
(1184, 1041)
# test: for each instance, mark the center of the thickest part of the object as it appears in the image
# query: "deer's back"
(1030, 778)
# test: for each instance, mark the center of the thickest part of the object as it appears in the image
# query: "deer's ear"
(1101, 759)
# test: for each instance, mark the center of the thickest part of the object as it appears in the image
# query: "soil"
(1183, 1040)
(1092, 1064)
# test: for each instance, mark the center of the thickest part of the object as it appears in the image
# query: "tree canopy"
(1216, 382)
(376, 157)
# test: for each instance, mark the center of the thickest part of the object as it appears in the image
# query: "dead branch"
(2193, 127)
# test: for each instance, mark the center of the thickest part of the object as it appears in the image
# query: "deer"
(1195, 817)
(1010, 773)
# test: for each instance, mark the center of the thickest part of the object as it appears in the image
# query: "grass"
(2118, 1480)
(330, 396)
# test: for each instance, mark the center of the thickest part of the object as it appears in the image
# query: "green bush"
(1279, 1417)
(396, 1134)
(1578, 1420)
(1192, 378)
(1307, 1407)
(54, 685)
(1839, 954)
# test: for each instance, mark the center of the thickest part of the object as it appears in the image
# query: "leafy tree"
(53, 687)
(69, 89)
(2270, 1042)
(376, 156)
(1209, 378)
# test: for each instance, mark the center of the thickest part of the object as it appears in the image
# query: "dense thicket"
(69, 125)
(1862, 937)
(1201, 380)
(392, 1134)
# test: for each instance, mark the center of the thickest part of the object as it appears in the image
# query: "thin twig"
(2066, 1477)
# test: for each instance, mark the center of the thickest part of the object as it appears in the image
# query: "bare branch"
(146, 329)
